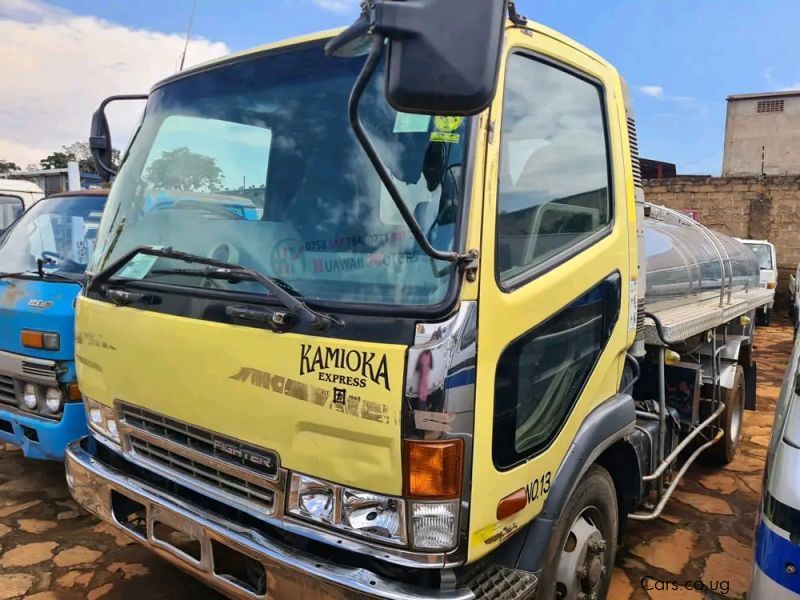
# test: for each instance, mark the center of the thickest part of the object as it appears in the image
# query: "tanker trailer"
(691, 372)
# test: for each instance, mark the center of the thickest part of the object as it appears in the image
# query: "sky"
(681, 59)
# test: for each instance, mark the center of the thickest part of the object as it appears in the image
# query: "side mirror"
(444, 55)
(100, 137)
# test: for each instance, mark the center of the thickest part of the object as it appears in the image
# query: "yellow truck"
(429, 360)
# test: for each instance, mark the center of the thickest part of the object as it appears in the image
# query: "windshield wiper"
(45, 276)
(223, 270)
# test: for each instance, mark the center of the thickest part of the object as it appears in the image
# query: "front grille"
(8, 394)
(39, 370)
(236, 471)
(201, 472)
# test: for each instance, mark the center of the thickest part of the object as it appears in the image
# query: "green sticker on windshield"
(138, 267)
(445, 138)
(407, 123)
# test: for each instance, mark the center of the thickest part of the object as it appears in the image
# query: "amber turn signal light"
(73, 392)
(772, 285)
(40, 339)
(512, 504)
(433, 469)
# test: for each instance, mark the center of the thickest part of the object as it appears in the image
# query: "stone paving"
(51, 550)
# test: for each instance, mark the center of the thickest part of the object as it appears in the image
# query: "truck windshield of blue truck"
(60, 232)
(256, 164)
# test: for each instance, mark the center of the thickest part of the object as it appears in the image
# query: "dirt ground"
(51, 550)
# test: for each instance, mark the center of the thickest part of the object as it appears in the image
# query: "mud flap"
(750, 379)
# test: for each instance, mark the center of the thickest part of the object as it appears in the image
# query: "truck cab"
(768, 264)
(42, 260)
(411, 376)
(16, 196)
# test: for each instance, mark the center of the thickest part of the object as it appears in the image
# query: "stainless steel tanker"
(693, 278)
(687, 262)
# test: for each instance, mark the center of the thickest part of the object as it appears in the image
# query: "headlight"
(101, 419)
(374, 516)
(315, 499)
(380, 518)
(53, 400)
(29, 396)
(434, 525)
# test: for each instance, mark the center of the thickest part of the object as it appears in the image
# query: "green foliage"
(7, 166)
(186, 171)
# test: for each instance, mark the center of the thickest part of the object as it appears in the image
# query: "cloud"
(57, 66)
(656, 91)
(338, 6)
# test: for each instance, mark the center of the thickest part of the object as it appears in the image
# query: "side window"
(554, 172)
(541, 375)
(10, 208)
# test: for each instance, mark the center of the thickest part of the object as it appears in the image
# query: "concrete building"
(762, 134)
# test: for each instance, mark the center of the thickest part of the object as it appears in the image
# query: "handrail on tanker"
(709, 235)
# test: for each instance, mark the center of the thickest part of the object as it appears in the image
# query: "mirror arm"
(370, 65)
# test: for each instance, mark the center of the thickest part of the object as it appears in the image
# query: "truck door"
(554, 283)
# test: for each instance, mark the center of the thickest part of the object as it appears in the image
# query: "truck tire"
(764, 317)
(723, 451)
(582, 548)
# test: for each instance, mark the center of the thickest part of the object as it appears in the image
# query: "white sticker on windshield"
(138, 267)
(407, 123)
(763, 277)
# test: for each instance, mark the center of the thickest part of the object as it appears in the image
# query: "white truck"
(16, 196)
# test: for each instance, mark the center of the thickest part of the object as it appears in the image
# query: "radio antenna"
(188, 34)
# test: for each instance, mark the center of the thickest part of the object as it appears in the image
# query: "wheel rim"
(582, 569)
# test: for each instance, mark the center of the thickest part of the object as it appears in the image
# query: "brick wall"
(746, 207)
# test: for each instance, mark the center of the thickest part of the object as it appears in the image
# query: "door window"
(554, 189)
(541, 375)
(10, 208)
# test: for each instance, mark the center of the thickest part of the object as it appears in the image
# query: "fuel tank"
(687, 262)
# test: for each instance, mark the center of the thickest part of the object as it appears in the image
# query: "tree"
(186, 171)
(7, 166)
(78, 152)
(57, 160)
(83, 154)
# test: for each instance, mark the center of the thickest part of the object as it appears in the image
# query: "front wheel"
(764, 316)
(580, 556)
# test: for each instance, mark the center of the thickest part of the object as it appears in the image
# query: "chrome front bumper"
(290, 573)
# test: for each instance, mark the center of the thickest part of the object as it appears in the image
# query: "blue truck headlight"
(29, 398)
(53, 400)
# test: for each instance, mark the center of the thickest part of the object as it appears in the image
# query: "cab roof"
(92, 192)
(536, 28)
(19, 185)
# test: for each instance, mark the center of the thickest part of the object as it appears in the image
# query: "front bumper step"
(274, 570)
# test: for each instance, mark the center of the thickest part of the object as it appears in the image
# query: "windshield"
(255, 163)
(763, 253)
(61, 231)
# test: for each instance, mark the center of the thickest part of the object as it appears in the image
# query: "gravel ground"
(49, 549)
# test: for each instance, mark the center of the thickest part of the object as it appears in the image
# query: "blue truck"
(43, 256)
